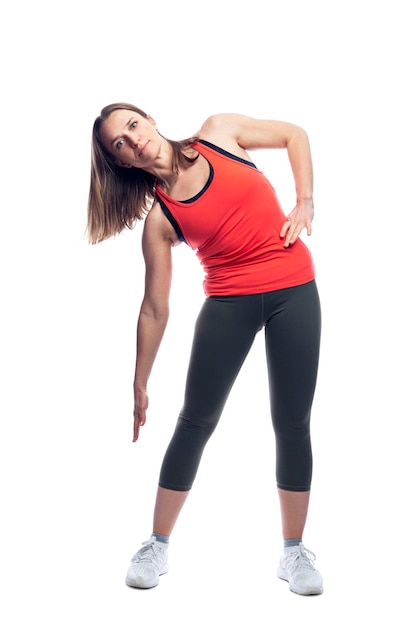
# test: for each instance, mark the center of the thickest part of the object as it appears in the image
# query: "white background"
(76, 494)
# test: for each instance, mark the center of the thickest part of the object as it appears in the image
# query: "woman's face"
(131, 138)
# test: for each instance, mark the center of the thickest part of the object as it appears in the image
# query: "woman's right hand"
(139, 411)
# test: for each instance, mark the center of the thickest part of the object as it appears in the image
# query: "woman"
(206, 191)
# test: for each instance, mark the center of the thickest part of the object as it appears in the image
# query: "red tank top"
(233, 225)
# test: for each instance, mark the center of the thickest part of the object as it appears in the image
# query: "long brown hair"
(120, 196)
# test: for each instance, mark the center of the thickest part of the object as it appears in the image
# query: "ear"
(122, 163)
(151, 121)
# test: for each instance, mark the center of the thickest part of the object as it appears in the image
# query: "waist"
(260, 277)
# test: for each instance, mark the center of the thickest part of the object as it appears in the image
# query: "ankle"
(292, 543)
(161, 538)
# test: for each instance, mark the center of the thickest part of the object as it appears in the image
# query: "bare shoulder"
(223, 130)
(157, 228)
(224, 124)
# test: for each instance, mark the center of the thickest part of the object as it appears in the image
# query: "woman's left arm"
(298, 149)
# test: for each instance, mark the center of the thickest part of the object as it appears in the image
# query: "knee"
(200, 427)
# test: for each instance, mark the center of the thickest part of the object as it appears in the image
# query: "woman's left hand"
(300, 217)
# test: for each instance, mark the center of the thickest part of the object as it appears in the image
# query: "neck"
(167, 181)
(162, 168)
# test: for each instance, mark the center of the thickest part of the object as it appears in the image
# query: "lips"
(141, 151)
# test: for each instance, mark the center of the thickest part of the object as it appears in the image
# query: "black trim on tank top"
(171, 219)
(206, 186)
(226, 153)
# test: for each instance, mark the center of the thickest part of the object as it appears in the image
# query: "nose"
(132, 141)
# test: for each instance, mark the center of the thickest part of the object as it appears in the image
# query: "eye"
(119, 144)
(133, 125)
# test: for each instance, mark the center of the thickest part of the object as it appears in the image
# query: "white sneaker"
(148, 564)
(297, 568)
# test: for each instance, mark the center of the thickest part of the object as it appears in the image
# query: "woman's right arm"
(158, 239)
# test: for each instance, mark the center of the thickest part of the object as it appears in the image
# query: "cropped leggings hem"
(224, 333)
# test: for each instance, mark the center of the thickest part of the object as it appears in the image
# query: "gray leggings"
(224, 332)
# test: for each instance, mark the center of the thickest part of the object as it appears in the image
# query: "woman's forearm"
(299, 154)
(150, 331)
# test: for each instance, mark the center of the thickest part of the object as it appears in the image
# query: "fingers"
(291, 231)
(139, 411)
(285, 233)
(138, 421)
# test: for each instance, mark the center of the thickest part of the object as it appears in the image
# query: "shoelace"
(146, 553)
(301, 559)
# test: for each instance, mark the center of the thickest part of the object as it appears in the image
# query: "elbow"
(297, 134)
(157, 313)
